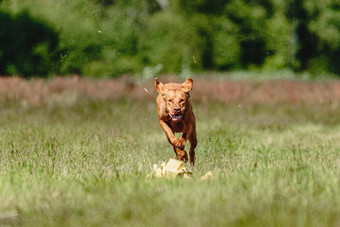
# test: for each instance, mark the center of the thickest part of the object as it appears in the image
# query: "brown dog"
(175, 115)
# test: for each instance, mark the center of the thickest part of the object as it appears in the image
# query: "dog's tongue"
(176, 117)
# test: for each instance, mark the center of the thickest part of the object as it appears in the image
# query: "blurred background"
(79, 129)
(110, 38)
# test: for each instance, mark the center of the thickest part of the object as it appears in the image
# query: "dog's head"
(176, 97)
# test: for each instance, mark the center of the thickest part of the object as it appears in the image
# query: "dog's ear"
(160, 87)
(187, 85)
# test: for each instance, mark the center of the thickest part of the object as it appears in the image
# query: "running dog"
(175, 115)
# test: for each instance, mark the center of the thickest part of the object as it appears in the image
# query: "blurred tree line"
(114, 37)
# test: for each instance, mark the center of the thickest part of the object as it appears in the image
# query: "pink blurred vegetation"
(270, 92)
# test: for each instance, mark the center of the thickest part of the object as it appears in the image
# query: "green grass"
(85, 164)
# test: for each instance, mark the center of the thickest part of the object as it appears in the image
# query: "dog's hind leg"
(193, 144)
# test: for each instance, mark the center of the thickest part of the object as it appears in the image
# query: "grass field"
(79, 163)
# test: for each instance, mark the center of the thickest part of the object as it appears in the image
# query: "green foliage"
(27, 45)
(226, 46)
(325, 26)
(110, 38)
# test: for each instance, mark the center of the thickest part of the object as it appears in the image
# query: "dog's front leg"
(181, 154)
(187, 130)
(169, 133)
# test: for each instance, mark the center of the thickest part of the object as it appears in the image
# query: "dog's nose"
(177, 109)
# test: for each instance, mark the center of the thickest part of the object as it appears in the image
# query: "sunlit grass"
(85, 164)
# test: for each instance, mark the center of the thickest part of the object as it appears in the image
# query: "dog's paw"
(176, 143)
(182, 155)
(180, 144)
(184, 158)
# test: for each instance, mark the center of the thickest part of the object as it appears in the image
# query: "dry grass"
(269, 92)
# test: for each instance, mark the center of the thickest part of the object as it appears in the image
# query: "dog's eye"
(169, 100)
(182, 100)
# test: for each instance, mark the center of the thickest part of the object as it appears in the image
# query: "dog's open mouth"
(176, 117)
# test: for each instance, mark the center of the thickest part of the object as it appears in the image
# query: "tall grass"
(85, 164)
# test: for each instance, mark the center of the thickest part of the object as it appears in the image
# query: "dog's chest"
(176, 126)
